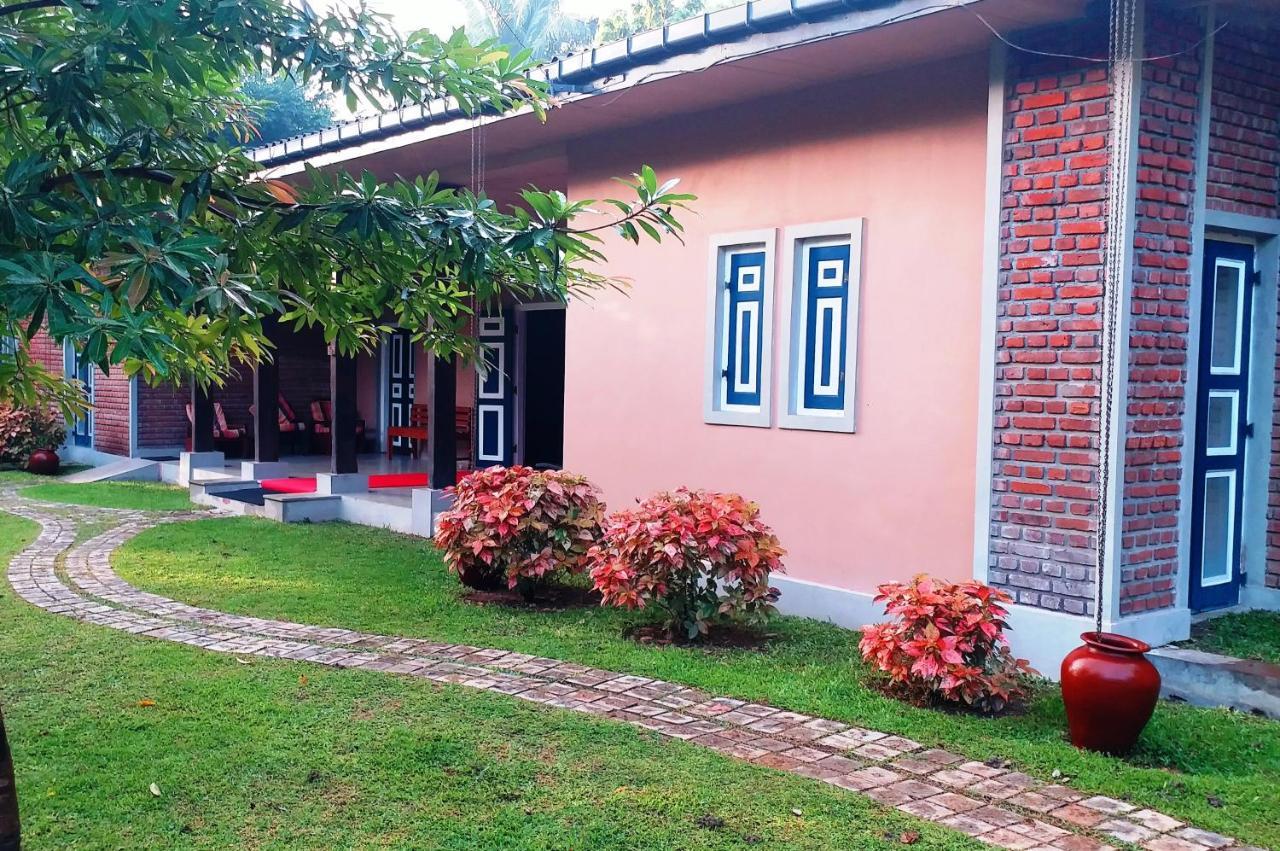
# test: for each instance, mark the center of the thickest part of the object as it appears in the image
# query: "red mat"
(307, 484)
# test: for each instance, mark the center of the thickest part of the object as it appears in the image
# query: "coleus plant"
(946, 643)
(700, 556)
(516, 526)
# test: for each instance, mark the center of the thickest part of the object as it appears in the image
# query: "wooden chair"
(462, 428)
(291, 428)
(322, 426)
(416, 432)
(226, 438)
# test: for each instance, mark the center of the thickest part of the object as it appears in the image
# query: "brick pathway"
(991, 802)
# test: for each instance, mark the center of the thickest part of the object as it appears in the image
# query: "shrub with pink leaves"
(514, 527)
(946, 643)
(702, 557)
(24, 430)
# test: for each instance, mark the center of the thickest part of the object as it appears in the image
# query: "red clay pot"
(1110, 689)
(43, 462)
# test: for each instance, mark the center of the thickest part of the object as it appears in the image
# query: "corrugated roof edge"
(578, 69)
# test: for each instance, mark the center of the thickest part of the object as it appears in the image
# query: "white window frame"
(795, 241)
(70, 370)
(1218, 451)
(1243, 269)
(1230, 476)
(715, 409)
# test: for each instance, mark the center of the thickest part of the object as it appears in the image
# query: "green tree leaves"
(132, 225)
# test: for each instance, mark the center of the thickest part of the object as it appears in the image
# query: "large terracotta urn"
(1110, 689)
(43, 462)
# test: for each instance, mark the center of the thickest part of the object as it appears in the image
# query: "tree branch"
(31, 5)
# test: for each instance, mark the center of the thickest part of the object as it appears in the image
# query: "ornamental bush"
(701, 557)
(515, 526)
(946, 644)
(24, 430)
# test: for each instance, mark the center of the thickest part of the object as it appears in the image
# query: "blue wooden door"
(80, 370)
(1222, 429)
(495, 390)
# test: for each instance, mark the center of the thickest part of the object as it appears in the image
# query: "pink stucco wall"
(907, 152)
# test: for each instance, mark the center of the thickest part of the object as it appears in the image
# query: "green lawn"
(276, 754)
(145, 496)
(335, 574)
(16, 476)
(1247, 635)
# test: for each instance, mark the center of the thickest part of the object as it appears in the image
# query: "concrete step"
(1207, 679)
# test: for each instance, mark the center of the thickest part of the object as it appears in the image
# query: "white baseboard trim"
(1044, 638)
(1155, 628)
(839, 606)
(1041, 636)
(1260, 597)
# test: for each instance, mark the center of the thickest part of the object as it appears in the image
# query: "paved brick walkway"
(998, 806)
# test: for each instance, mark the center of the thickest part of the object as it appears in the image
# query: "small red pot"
(1110, 689)
(43, 462)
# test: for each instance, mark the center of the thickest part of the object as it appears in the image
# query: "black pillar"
(266, 391)
(201, 419)
(444, 434)
(342, 395)
(10, 829)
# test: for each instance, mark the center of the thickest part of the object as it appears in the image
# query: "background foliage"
(282, 107)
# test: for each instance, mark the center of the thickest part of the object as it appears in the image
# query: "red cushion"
(292, 485)
(399, 480)
(386, 480)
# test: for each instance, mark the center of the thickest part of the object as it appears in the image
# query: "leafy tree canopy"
(130, 226)
(540, 26)
(282, 107)
(644, 15)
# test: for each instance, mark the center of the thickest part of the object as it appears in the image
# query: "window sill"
(842, 423)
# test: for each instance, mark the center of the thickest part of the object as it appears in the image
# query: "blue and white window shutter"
(823, 263)
(740, 329)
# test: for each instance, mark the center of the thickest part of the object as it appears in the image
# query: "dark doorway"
(542, 396)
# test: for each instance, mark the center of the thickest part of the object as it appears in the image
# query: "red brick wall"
(1159, 314)
(110, 397)
(46, 351)
(162, 417)
(111, 412)
(1044, 488)
(1244, 177)
(1244, 154)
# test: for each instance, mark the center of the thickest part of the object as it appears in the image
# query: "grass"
(18, 476)
(1189, 759)
(282, 755)
(143, 496)
(1245, 635)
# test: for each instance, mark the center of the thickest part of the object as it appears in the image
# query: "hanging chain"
(1123, 68)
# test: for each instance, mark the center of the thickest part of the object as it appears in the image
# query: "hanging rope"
(1123, 67)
